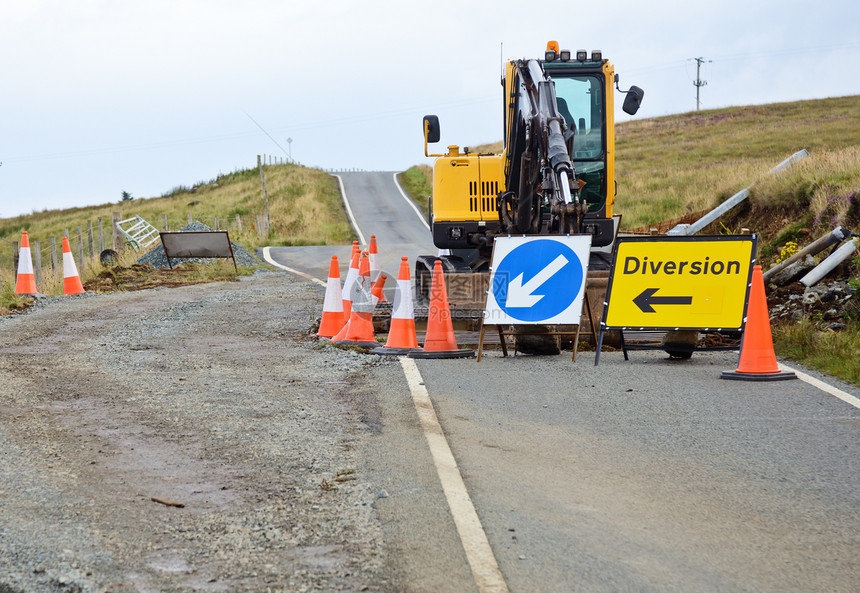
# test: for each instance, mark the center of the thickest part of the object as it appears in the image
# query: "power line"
(788, 51)
(745, 56)
(358, 118)
(267, 134)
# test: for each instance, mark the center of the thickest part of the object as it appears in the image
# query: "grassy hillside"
(679, 164)
(304, 209)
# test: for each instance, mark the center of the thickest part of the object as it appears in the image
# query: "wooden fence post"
(215, 228)
(117, 238)
(189, 218)
(37, 262)
(89, 238)
(101, 237)
(239, 223)
(14, 262)
(54, 254)
(164, 222)
(80, 260)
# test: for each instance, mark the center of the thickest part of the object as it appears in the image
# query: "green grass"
(834, 353)
(9, 301)
(679, 164)
(417, 181)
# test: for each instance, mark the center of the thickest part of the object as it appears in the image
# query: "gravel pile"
(156, 258)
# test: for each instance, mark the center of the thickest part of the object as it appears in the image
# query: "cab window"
(580, 102)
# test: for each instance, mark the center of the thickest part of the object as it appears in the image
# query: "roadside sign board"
(537, 280)
(179, 244)
(679, 282)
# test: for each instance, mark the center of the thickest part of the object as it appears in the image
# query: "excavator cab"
(556, 170)
(554, 174)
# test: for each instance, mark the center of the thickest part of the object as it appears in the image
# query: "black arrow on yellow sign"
(647, 298)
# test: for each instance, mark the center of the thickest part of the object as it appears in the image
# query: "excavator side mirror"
(431, 129)
(633, 100)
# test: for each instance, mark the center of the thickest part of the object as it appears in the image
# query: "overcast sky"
(100, 97)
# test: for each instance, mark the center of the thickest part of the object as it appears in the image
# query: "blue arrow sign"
(539, 279)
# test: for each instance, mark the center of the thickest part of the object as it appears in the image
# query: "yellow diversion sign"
(679, 283)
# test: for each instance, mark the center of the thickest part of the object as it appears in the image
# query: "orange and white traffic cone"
(377, 287)
(401, 334)
(439, 341)
(349, 281)
(26, 282)
(358, 331)
(758, 359)
(71, 278)
(332, 316)
(373, 255)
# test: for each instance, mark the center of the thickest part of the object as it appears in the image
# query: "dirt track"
(141, 453)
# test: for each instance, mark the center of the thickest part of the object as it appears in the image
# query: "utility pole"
(699, 83)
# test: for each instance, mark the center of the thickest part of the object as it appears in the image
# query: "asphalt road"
(379, 208)
(641, 475)
(654, 474)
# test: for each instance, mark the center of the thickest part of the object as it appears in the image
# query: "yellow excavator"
(554, 175)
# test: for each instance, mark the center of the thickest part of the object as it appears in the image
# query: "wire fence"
(90, 243)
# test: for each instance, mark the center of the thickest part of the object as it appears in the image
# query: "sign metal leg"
(599, 347)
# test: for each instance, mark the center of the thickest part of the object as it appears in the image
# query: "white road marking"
(268, 257)
(846, 397)
(411, 202)
(349, 212)
(485, 570)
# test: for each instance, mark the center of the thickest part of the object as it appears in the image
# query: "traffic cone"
(349, 281)
(332, 316)
(401, 333)
(377, 288)
(758, 359)
(71, 279)
(439, 341)
(358, 331)
(373, 254)
(26, 283)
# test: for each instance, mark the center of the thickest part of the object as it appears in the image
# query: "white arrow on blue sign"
(537, 280)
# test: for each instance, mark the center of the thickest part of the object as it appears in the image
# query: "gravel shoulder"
(195, 438)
